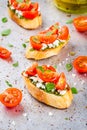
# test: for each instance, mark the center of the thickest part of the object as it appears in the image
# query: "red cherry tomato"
(11, 97)
(29, 10)
(23, 6)
(61, 82)
(47, 75)
(45, 67)
(35, 42)
(63, 33)
(47, 39)
(31, 71)
(50, 35)
(80, 64)
(4, 53)
(80, 23)
(30, 14)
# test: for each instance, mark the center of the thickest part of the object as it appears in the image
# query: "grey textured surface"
(31, 114)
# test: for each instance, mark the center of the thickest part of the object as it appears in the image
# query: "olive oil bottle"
(72, 6)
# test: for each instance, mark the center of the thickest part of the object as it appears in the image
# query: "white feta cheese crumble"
(62, 40)
(73, 75)
(25, 75)
(56, 43)
(19, 13)
(50, 113)
(24, 114)
(39, 80)
(13, 123)
(12, 8)
(40, 85)
(44, 46)
(62, 92)
(50, 45)
(35, 79)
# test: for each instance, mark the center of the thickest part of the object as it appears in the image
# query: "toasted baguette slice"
(60, 102)
(26, 23)
(42, 54)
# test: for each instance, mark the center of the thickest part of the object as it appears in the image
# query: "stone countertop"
(31, 114)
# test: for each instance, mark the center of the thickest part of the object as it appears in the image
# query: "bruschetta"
(25, 13)
(48, 42)
(47, 86)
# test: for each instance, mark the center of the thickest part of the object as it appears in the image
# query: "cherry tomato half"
(30, 14)
(31, 71)
(49, 35)
(49, 67)
(80, 23)
(23, 6)
(29, 10)
(4, 53)
(63, 33)
(47, 75)
(61, 82)
(35, 42)
(11, 97)
(47, 39)
(80, 64)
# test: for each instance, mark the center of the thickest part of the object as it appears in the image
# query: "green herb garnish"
(69, 67)
(56, 26)
(72, 53)
(66, 118)
(35, 39)
(41, 68)
(50, 87)
(19, 1)
(74, 90)
(69, 21)
(31, 49)
(4, 20)
(6, 32)
(24, 45)
(49, 33)
(55, 66)
(16, 64)
(7, 82)
(10, 45)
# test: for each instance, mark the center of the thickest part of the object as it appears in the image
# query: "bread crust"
(26, 23)
(60, 102)
(42, 54)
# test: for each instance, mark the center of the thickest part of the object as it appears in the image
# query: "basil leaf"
(66, 118)
(72, 53)
(7, 82)
(16, 64)
(74, 90)
(4, 20)
(6, 32)
(41, 68)
(50, 87)
(69, 21)
(19, 1)
(24, 45)
(31, 49)
(55, 66)
(56, 26)
(10, 45)
(35, 39)
(49, 33)
(69, 67)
